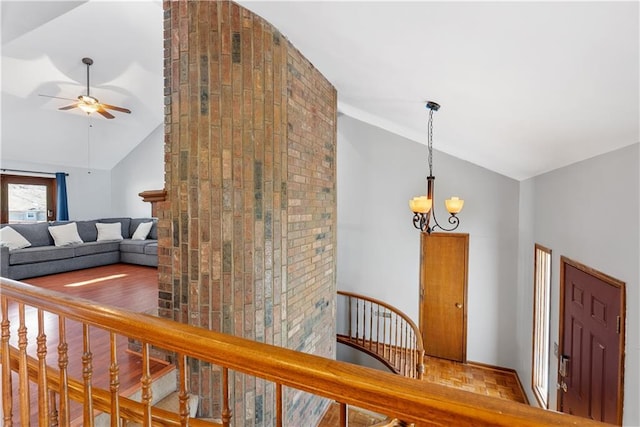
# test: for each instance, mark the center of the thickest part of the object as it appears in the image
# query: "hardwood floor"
(135, 288)
(124, 286)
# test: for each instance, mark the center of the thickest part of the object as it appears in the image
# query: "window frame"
(540, 334)
(6, 179)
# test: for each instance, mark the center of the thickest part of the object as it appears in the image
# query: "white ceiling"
(43, 44)
(525, 87)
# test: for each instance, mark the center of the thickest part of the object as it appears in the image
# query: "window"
(541, 291)
(27, 199)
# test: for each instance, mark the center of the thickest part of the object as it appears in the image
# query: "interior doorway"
(443, 294)
(592, 324)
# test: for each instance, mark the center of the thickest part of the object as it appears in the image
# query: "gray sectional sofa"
(43, 257)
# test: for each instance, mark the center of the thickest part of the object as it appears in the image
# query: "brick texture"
(247, 234)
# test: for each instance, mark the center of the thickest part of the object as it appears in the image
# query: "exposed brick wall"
(247, 235)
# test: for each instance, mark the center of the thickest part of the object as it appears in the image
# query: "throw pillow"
(109, 231)
(66, 234)
(142, 231)
(12, 239)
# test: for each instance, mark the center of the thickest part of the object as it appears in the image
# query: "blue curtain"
(62, 208)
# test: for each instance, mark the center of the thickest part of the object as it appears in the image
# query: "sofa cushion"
(12, 239)
(91, 248)
(133, 246)
(40, 254)
(109, 231)
(87, 230)
(153, 234)
(135, 222)
(151, 249)
(125, 222)
(142, 231)
(37, 234)
(66, 234)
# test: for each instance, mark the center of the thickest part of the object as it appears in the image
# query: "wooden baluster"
(402, 348)
(278, 405)
(184, 395)
(414, 357)
(145, 381)
(63, 362)
(370, 325)
(43, 395)
(53, 410)
(344, 415)
(226, 411)
(350, 317)
(380, 314)
(405, 349)
(357, 318)
(114, 381)
(23, 373)
(7, 398)
(384, 334)
(395, 344)
(87, 373)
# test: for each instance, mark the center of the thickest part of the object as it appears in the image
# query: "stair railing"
(382, 331)
(45, 369)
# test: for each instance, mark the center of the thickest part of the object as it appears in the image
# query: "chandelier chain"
(430, 142)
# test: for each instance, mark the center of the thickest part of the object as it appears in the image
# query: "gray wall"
(379, 250)
(141, 170)
(589, 212)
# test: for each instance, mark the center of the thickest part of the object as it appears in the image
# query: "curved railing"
(413, 401)
(382, 331)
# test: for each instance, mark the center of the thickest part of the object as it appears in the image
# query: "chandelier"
(422, 206)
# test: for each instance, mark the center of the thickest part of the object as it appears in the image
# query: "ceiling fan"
(90, 104)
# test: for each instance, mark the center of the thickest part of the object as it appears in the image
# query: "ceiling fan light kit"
(90, 104)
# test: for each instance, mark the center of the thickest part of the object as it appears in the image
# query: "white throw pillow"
(66, 234)
(142, 231)
(109, 231)
(12, 239)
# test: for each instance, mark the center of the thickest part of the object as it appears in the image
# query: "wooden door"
(591, 343)
(443, 294)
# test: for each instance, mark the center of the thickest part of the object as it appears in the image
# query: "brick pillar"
(247, 234)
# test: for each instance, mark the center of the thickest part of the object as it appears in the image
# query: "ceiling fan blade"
(56, 97)
(113, 107)
(69, 107)
(105, 113)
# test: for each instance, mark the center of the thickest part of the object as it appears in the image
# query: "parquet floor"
(476, 378)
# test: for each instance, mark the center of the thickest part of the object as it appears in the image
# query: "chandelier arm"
(419, 221)
(454, 220)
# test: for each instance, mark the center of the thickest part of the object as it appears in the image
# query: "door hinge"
(618, 324)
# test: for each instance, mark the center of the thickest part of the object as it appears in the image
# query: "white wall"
(589, 212)
(88, 191)
(379, 250)
(141, 170)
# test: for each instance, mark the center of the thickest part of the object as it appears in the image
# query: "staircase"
(164, 393)
(24, 361)
(382, 331)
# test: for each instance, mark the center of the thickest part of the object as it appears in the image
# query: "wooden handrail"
(393, 338)
(386, 393)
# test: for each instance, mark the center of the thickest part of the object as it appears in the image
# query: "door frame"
(564, 261)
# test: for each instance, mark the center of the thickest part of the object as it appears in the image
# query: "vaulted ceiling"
(525, 87)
